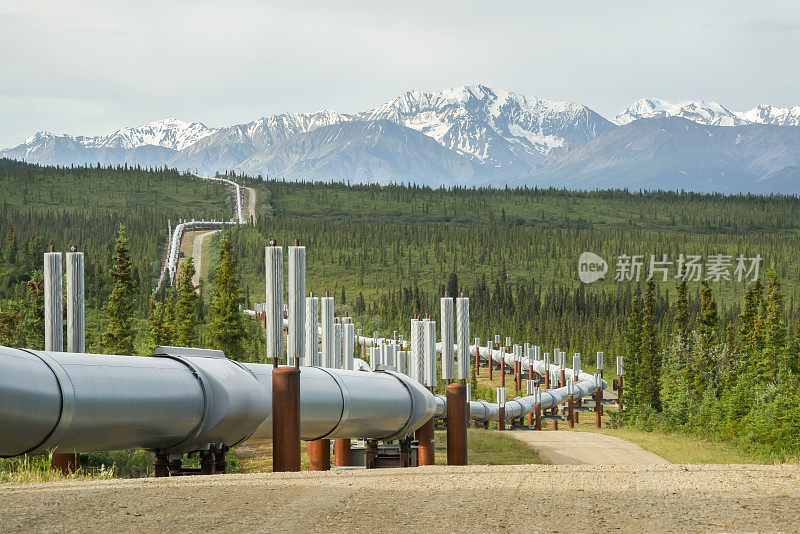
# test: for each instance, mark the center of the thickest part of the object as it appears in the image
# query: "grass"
(28, 469)
(683, 448)
(489, 448)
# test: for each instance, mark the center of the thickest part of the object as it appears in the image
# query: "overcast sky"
(91, 67)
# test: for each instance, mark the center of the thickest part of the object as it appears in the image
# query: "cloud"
(771, 25)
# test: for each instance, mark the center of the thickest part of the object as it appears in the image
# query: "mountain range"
(471, 135)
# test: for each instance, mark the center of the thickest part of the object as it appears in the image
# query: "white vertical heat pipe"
(448, 363)
(462, 338)
(312, 328)
(76, 310)
(53, 303)
(348, 346)
(328, 335)
(296, 336)
(273, 261)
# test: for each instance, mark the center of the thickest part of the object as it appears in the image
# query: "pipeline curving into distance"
(171, 267)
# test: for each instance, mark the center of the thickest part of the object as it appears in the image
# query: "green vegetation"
(681, 448)
(485, 447)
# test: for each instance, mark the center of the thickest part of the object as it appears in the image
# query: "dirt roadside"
(575, 448)
(664, 498)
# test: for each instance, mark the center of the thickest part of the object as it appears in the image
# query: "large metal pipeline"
(185, 399)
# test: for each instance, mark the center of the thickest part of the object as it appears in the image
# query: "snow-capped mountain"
(766, 114)
(708, 113)
(168, 133)
(499, 128)
(699, 111)
(469, 135)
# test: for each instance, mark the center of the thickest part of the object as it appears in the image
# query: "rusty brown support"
(530, 373)
(426, 451)
(477, 361)
(530, 419)
(286, 419)
(65, 462)
(341, 452)
(319, 455)
(503, 371)
(598, 407)
(547, 379)
(571, 411)
(619, 392)
(562, 379)
(501, 418)
(537, 410)
(491, 368)
(555, 421)
(456, 424)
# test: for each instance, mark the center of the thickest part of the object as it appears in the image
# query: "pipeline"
(171, 266)
(184, 399)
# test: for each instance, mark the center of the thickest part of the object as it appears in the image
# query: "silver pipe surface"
(296, 336)
(448, 360)
(462, 338)
(53, 303)
(184, 399)
(76, 318)
(273, 257)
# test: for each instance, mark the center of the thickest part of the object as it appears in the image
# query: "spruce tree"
(650, 372)
(155, 324)
(775, 331)
(32, 325)
(119, 334)
(187, 306)
(11, 245)
(682, 313)
(226, 329)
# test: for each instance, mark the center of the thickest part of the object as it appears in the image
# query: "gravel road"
(540, 498)
(197, 253)
(571, 448)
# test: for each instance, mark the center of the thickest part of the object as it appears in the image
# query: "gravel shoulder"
(574, 448)
(659, 498)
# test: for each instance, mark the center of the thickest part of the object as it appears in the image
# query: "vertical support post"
(328, 333)
(503, 367)
(462, 338)
(76, 318)
(53, 303)
(54, 336)
(426, 451)
(546, 370)
(429, 352)
(342, 452)
(538, 416)
(296, 337)
(477, 356)
(456, 424)
(501, 408)
(598, 402)
(620, 372)
(312, 332)
(448, 360)
(273, 256)
(348, 346)
(286, 419)
(319, 455)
